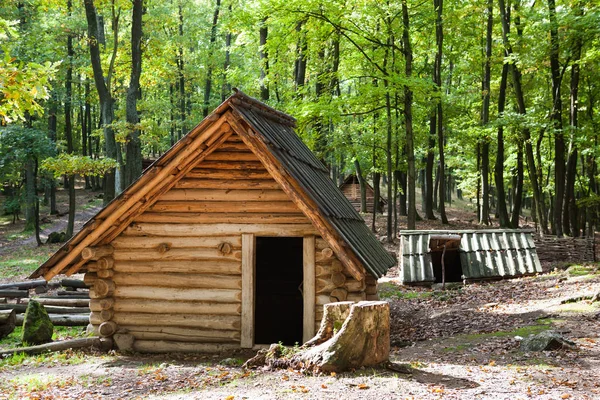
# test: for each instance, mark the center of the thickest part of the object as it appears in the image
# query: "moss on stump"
(37, 327)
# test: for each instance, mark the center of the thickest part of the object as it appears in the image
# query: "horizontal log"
(224, 195)
(338, 279)
(94, 253)
(360, 296)
(163, 346)
(223, 218)
(63, 319)
(107, 328)
(176, 280)
(21, 308)
(225, 206)
(25, 285)
(232, 146)
(229, 165)
(235, 156)
(55, 346)
(226, 267)
(228, 174)
(373, 297)
(321, 243)
(325, 285)
(183, 334)
(322, 271)
(14, 293)
(176, 307)
(59, 301)
(74, 283)
(102, 304)
(105, 273)
(187, 183)
(103, 288)
(142, 229)
(150, 292)
(90, 277)
(66, 295)
(127, 242)
(371, 289)
(105, 263)
(225, 322)
(175, 255)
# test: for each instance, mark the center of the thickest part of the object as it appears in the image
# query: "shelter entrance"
(445, 258)
(278, 296)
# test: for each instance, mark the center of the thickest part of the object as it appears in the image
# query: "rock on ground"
(37, 327)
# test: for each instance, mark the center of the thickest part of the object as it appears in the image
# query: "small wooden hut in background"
(236, 236)
(351, 189)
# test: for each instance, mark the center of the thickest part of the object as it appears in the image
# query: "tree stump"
(352, 335)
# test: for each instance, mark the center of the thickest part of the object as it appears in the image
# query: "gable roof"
(270, 135)
(352, 179)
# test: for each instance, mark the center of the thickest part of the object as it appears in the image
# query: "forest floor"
(458, 344)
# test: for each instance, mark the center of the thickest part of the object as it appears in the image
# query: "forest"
(490, 100)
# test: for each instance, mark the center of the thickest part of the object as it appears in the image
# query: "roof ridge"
(266, 110)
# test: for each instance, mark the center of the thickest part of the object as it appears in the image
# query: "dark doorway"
(452, 264)
(279, 303)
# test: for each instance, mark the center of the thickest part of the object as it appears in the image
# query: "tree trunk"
(51, 184)
(57, 346)
(439, 39)
(485, 117)
(264, 60)
(376, 195)
(516, 78)
(181, 76)
(213, 39)
(408, 99)
(556, 116)
(113, 181)
(429, 168)
(499, 167)
(133, 149)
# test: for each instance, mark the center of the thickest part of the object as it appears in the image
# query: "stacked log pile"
(552, 250)
(65, 307)
(334, 283)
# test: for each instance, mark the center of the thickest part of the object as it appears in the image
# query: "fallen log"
(67, 296)
(60, 301)
(74, 283)
(73, 294)
(24, 285)
(8, 321)
(21, 308)
(14, 294)
(93, 342)
(63, 319)
(352, 335)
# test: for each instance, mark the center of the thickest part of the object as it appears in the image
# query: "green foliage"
(70, 164)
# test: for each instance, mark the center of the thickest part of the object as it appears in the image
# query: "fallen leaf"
(565, 396)
(363, 386)
(324, 386)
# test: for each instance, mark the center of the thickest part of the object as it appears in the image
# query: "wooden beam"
(94, 253)
(308, 283)
(248, 288)
(224, 195)
(298, 196)
(227, 184)
(227, 267)
(143, 242)
(175, 254)
(176, 280)
(222, 218)
(173, 294)
(140, 192)
(147, 229)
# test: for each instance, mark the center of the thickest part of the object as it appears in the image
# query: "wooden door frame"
(249, 288)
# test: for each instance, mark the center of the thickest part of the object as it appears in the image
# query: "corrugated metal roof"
(483, 254)
(314, 178)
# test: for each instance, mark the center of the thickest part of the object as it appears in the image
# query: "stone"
(56, 237)
(8, 320)
(124, 341)
(37, 327)
(547, 340)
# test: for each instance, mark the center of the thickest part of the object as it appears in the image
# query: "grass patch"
(388, 290)
(457, 348)
(35, 383)
(23, 260)
(543, 324)
(579, 307)
(67, 357)
(581, 270)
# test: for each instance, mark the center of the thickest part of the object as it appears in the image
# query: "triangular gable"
(269, 134)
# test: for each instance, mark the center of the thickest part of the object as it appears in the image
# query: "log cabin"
(351, 189)
(236, 237)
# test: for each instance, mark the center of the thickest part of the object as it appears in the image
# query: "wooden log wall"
(334, 283)
(352, 193)
(176, 271)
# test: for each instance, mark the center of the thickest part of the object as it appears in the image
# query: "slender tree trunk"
(559, 140)
(499, 167)
(376, 196)
(69, 126)
(133, 166)
(213, 39)
(439, 38)
(112, 179)
(518, 196)
(226, 88)
(516, 78)
(264, 60)
(181, 76)
(485, 115)
(300, 64)
(429, 168)
(51, 187)
(570, 207)
(408, 99)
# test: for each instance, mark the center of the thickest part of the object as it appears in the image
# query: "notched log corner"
(351, 335)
